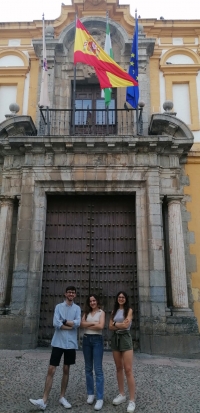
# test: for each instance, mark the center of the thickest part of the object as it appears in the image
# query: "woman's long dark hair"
(88, 309)
(116, 304)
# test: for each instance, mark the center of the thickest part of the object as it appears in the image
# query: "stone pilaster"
(156, 248)
(177, 255)
(6, 215)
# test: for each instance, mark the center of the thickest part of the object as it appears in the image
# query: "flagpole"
(74, 101)
(107, 106)
(137, 118)
(47, 107)
(107, 22)
(48, 122)
(44, 96)
(74, 91)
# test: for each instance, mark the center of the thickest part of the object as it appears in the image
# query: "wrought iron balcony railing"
(90, 122)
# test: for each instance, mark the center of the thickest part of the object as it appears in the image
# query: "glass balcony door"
(92, 116)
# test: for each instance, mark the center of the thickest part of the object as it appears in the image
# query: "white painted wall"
(26, 94)
(8, 95)
(198, 91)
(11, 60)
(180, 59)
(26, 89)
(177, 41)
(162, 91)
(14, 42)
(181, 101)
(196, 136)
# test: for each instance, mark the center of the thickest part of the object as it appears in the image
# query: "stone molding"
(179, 50)
(180, 70)
(173, 126)
(146, 151)
(17, 126)
(157, 143)
(15, 52)
(6, 200)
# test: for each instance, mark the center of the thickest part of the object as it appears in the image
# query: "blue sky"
(28, 10)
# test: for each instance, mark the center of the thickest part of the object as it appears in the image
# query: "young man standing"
(66, 320)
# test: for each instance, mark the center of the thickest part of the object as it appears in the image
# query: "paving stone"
(166, 385)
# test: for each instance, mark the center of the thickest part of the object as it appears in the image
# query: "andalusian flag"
(106, 93)
(87, 50)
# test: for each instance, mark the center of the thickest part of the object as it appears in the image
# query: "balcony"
(91, 122)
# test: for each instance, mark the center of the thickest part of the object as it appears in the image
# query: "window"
(83, 113)
(181, 100)
(8, 95)
(91, 115)
(102, 113)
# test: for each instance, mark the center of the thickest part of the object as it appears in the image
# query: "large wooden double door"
(90, 242)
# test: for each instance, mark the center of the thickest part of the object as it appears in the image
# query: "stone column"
(6, 215)
(177, 256)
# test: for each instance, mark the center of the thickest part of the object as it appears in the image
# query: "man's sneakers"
(90, 398)
(42, 406)
(38, 403)
(98, 405)
(131, 407)
(65, 403)
(119, 399)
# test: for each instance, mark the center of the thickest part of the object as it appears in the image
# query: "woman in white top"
(93, 322)
(122, 348)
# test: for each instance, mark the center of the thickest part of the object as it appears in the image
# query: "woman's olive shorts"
(121, 341)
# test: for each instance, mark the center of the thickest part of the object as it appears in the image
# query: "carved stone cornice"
(17, 126)
(158, 144)
(6, 200)
(51, 45)
(169, 124)
(14, 71)
(174, 198)
(169, 70)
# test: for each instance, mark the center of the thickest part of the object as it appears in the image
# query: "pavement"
(164, 385)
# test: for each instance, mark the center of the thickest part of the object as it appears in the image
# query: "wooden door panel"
(90, 242)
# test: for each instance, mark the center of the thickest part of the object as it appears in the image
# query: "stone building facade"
(104, 211)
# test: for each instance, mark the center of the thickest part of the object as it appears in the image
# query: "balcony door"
(91, 116)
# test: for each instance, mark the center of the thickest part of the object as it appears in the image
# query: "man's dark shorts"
(56, 354)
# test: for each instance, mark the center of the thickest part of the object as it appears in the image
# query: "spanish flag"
(87, 50)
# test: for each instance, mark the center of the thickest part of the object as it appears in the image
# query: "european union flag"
(132, 92)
